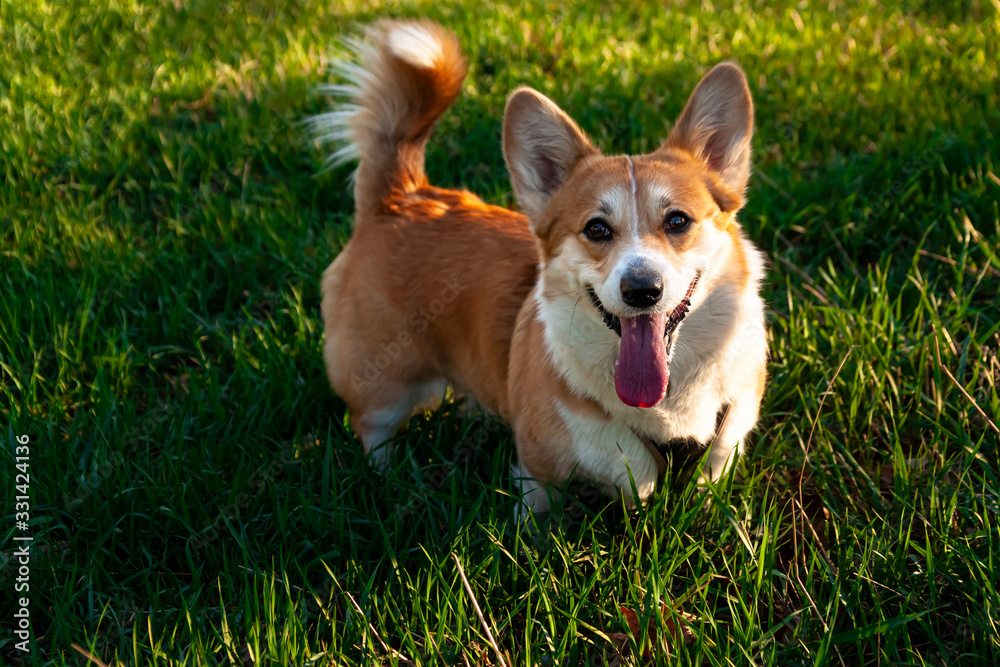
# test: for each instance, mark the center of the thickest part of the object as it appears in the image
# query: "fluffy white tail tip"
(416, 45)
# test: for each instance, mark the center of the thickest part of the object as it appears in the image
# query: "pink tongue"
(642, 373)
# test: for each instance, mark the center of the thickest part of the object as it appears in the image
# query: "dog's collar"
(677, 315)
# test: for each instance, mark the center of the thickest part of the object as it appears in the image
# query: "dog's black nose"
(641, 289)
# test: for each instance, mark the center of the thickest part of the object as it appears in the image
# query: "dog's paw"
(378, 456)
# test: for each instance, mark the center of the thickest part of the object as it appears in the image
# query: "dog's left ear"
(541, 146)
(716, 126)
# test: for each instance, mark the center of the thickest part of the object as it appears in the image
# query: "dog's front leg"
(535, 497)
(730, 441)
(609, 453)
(590, 447)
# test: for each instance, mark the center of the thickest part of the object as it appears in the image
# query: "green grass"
(196, 497)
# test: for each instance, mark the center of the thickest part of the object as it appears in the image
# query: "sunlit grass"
(196, 496)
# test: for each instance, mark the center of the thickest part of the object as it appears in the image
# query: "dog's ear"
(541, 146)
(716, 126)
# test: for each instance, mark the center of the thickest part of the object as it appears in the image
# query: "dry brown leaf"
(918, 468)
(677, 630)
(804, 519)
(619, 641)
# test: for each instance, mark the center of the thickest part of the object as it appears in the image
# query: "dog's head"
(632, 236)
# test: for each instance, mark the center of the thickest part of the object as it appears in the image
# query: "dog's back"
(426, 293)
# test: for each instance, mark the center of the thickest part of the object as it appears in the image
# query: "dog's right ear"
(541, 146)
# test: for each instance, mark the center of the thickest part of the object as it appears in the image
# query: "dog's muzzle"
(676, 316)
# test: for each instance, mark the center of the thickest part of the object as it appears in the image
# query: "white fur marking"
(379, 425)
(607, 451)
(535, 497)
(635, 198)
(337, 127)
(631, 174)
(416, 45)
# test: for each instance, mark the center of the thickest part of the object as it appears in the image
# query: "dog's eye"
(676, 221)
(597, 230)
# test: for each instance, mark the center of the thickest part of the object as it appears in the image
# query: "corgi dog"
(618, 314)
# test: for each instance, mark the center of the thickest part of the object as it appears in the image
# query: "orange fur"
(431, 247)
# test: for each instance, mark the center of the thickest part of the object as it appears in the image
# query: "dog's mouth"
(677, 315)
(642, 372)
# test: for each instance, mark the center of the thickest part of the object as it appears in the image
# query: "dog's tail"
(405, 75)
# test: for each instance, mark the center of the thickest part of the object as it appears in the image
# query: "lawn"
(195, 496)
